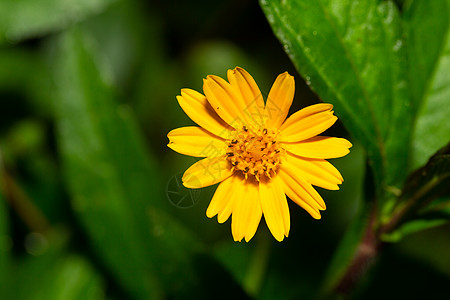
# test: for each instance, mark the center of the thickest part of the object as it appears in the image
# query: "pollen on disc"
(255, 152)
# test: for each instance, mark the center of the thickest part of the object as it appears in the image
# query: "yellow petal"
(196, 141)
(206, 172)
(314, 172)
(225, 101)
(307, 123)
(297, 193)
(246, 211)
(320, 147)
(245, 85)
(280, 99)
(223, 201)
(327, 167)
(275, 208)
(292, 176)
(226, 211)
(200, 111)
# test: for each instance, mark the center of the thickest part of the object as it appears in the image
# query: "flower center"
(255, 152)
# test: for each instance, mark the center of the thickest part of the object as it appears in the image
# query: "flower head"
(256, 154)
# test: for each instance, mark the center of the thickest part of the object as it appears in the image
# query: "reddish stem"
(364, 257)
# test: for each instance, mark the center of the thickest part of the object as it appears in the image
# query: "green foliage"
(95, 140)
(427, 191)
(431, 179)
(28, 18)
(351, 53)
(112, 180)
(47, 277)
(88, 93)
(386, 72)
(346, 248)
(413, 226)
(429, 61)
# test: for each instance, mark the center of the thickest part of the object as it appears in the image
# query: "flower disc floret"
(255, 152)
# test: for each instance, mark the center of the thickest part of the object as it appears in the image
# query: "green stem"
(21, 202)
(363, 257)
(409, 206)
(258, 265)
(371, 243)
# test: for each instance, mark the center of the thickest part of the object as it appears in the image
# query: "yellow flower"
(256, 154)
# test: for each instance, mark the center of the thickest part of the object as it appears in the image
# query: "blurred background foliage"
(87, 93)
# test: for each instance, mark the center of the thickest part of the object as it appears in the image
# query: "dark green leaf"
(93, 145)
(423, 183)
(54, 275)
(352, 54)
(411, 227)
(30, 18)
(24, 73)
(438, 208)
(114, 185)
(428, 24)
(425, 199)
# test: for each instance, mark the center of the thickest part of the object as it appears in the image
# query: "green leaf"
(55, 275)
(91, 139)
(428, 24)
(24, 73)
(425, 199)
(430, 179)
(352, 54)
(438, 208)
(435, 214)
(30, 18)
(63, 279)
(114, 185)
(410, 228)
